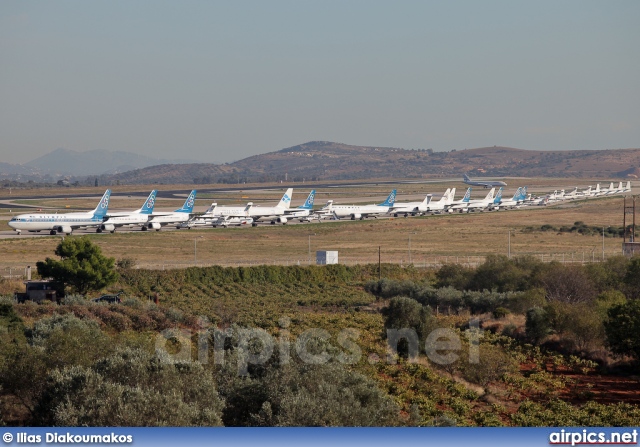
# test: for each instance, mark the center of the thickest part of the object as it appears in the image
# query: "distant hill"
(322, 160)
(65, 162)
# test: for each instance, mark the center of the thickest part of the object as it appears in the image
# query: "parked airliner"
(139, 217)
(158, 220)
(359, 211)
(62, 223)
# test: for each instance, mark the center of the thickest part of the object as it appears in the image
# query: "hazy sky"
(219, 81)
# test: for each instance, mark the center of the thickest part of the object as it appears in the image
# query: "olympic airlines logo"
(151, 202)
(105, 202)
(190, 200)
(392, 197)
(467, 195)
(286, 199)
(310, 198)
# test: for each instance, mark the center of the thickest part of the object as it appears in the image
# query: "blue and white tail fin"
(147, 207)
(517, 194)
(523, 193)
(103, 207)
(285, 202)
(466, 178)
(188, 204)
(467, 195)
(308, 204)
(390, 200)
(498, 198)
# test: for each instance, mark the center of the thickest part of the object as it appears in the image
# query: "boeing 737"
(139, 217)
(158, 220)
(359, 211)
(62, 223)
(486, 184)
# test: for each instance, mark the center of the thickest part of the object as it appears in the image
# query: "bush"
(622, 329)
(537, 325)
(130, 388)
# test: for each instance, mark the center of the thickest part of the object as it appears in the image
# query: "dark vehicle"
(111, 299)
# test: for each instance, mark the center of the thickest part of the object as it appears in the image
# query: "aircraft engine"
(108, 227)
(64, 229)
(282, 220)
(356, 216)
(154, 226)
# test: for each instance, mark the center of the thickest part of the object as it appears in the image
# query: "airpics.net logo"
(314, 346)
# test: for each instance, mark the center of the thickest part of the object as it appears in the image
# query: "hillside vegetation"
(322, 160)
(547, 337)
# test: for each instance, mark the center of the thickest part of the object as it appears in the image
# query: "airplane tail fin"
(452, 196)
(103, 207)
(498, 197)
(390, 200)
(490, 195)
(427, 199)
(620, 186)
(188, 204)
(211, 209)
(285, 202)
(517, 194)
(466, 178)
(445, 196)
(628, 187)
(308, 204)
(467, 195)
(597, 188)
(147, 207)
(248, 207)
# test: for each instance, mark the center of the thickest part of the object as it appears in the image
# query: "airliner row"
(145, 218)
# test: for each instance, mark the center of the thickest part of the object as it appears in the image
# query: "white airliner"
(469, 205)
(62, 223)
(179, 216)
(441, 205)
(358, 211)
(139, 217)
(302, 213)
(517, 199)
(273, 213)
(482, 204)
(415, 208)
(457, 204)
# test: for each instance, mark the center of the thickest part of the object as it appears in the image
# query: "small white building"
(326, 257)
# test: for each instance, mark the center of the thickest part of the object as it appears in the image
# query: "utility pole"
(310, 234)
(379, 265)
(509, 244)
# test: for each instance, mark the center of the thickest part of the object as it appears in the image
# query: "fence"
(18, 272)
